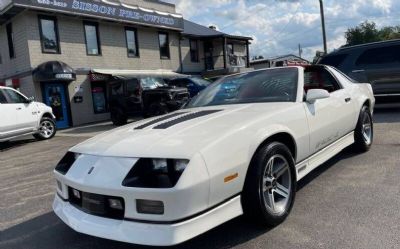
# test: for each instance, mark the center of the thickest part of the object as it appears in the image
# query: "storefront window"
(92, 39)
(132, 42)
(49, 34)
(99, 97)
(164, 45)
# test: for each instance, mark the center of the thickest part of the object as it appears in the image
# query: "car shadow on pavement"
(4, 146)
(48, 232)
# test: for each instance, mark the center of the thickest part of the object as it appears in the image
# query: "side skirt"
(309, 164)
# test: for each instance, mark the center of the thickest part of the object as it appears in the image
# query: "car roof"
(365, 45)
(6, 87)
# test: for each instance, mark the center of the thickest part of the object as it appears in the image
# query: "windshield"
(200, 81)
(272, 85)
(152, 83)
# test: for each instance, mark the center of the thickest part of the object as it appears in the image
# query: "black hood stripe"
(184, 118)
(155, 121)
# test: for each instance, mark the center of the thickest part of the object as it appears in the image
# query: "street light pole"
(321, 7)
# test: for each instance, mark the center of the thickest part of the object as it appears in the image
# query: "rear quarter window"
(333, 60)
(376, 56)
(3, 99)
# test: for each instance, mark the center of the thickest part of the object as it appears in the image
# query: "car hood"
(182, 135)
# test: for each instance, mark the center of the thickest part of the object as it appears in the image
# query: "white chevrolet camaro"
(238, 147)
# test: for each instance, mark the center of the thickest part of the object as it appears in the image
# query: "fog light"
(115, 204)
(76, 193)
(149, 207)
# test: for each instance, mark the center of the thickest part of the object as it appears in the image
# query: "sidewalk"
(89, 130)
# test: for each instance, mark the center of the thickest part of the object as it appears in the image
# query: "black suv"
(143, 95)
(377, 63)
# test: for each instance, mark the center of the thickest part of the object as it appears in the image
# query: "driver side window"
(13, 97)
(319, 78)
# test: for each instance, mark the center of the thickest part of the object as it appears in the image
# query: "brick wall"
(113, 46)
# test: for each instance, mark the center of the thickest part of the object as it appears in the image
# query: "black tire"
(118, 117)
(47, 129)
(254, 203)
(363, 138)
(157, 109)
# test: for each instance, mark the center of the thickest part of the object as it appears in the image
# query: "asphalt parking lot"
(352, 201)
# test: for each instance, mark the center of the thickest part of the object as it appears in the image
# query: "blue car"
(193, 84)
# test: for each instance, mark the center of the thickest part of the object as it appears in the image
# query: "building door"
(55, 97)
(208, 55)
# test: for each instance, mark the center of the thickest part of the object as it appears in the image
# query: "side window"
(385, 55)
(116, 88)
(319, 78)
(333, 60)
(14, 97)
(3, 99)
(132, 87)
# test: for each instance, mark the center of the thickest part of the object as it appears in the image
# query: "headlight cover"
(66, 162)
(155, 173)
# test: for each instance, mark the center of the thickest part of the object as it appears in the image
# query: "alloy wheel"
(366, 129)
(46, 129)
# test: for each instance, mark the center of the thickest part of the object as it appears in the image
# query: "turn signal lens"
(115, 204)
(149, 207)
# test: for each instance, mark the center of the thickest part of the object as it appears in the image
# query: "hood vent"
(155, 121)
(185, 118)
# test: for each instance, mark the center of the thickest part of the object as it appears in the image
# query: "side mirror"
(315, 94)
(30, 99)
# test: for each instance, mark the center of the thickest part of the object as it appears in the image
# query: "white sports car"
(239, 147)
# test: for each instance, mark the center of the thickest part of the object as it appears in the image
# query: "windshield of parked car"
(272, 85)
(152, 82)
(200, 81)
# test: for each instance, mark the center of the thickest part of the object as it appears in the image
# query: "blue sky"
(278, 26)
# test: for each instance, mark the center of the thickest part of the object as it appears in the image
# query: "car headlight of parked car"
(155, 173)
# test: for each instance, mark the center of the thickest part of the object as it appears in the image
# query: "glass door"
(55, 97)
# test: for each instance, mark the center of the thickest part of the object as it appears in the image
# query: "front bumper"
(146, 233)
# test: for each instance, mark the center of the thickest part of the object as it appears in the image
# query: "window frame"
(10, 40)
(233, 48)
(191, 50)
(54, 19)
(135, 31)
(336, 83)
(96, 25)
(168, 47)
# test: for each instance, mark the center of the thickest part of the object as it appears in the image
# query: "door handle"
(358, 71)
(18, 108)
(347, 100)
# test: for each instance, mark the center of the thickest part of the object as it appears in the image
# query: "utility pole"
(300, 50)
(321, 7)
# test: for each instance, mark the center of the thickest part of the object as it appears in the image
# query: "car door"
(25, 111)
(8, 117)
(331, 118)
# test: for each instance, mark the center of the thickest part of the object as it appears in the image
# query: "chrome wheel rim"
(46, 129)
(367, 129)
(277, 184)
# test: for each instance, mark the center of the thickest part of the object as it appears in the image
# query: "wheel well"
(367, 103)
(284, 138)
(47, 115)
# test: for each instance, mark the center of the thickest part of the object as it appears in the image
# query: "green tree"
(368, 32)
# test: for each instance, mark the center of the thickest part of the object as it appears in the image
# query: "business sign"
(111, 11)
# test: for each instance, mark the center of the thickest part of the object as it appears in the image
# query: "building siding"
(188, 65)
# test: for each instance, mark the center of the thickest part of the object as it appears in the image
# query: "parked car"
(193, 84)
(377, 63)
(179, 175)
(143, 95)
(22, 116)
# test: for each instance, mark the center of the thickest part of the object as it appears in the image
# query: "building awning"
(135, 73)
(99, 9)
(53, 71)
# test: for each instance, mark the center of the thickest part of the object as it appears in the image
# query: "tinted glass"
(200, 81)
(273, 85)
(132, 87)
(164, 45)
(333, 60)
(13, 97)
(3, 99)
(385, 55)
(319, 78)
(49, 35)
(92, 40)
(116, 88)
(131, 42)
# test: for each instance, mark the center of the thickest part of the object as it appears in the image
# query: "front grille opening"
(100, 205)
